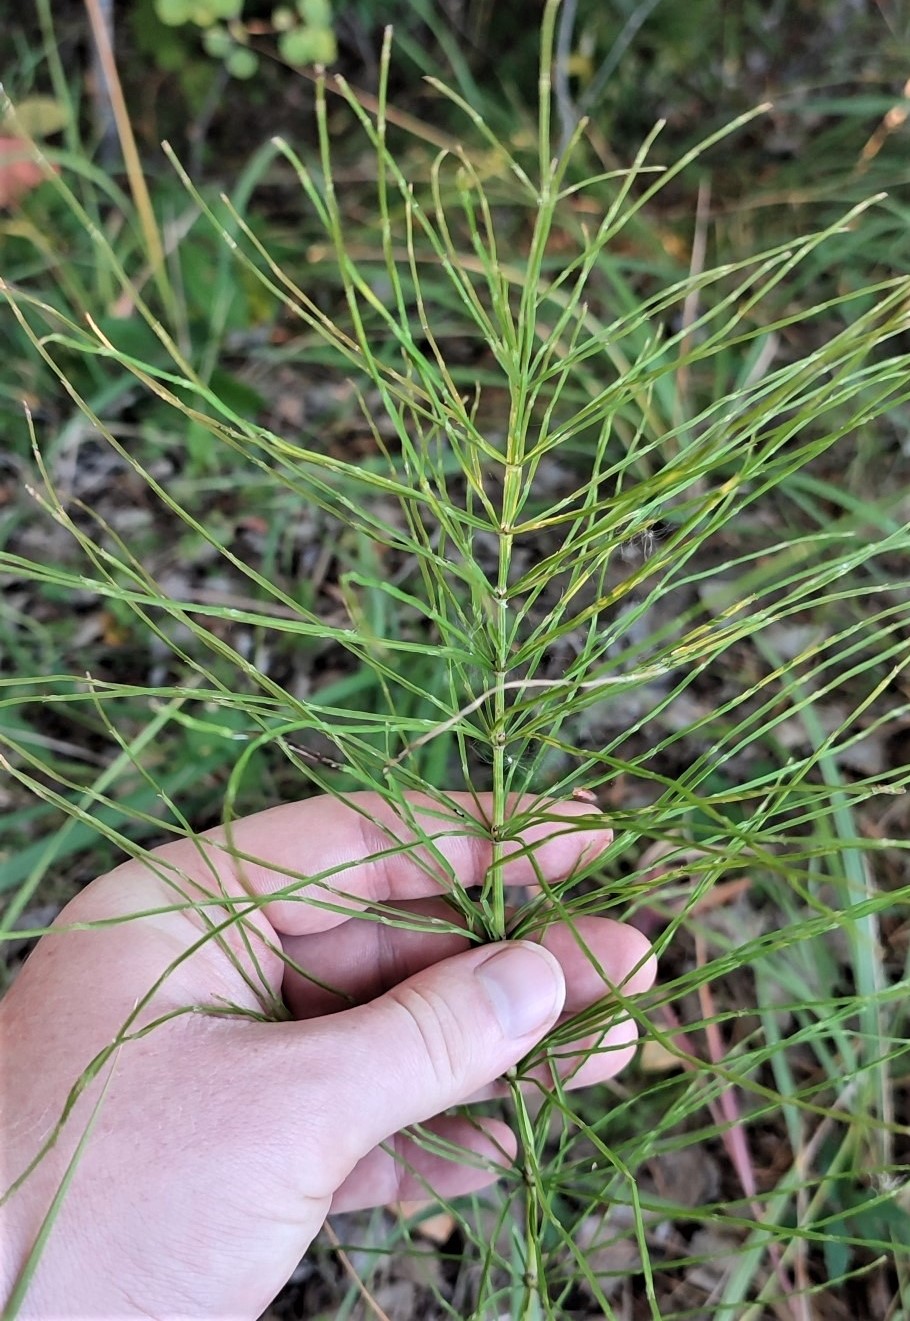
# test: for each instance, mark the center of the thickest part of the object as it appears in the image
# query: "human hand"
(223, 1130)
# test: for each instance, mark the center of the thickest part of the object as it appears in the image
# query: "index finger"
(324, 859)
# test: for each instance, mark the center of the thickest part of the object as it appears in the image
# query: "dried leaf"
(654, 1057)
(19, 173)
(36, 117)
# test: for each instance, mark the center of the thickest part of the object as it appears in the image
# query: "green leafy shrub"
(304, 32)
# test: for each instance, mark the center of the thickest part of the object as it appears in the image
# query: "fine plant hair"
(554, 542)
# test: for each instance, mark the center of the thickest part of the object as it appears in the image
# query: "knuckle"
(438, 1034)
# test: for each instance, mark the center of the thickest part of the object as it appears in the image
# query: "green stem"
(534, 1273)
(500, 735)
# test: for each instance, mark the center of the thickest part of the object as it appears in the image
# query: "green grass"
(615, 522)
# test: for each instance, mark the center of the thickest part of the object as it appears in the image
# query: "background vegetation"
(403, 430)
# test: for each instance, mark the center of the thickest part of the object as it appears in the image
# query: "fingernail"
(525, 986)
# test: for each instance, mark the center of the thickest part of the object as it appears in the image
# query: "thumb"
(427, 1044)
